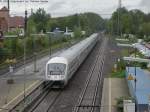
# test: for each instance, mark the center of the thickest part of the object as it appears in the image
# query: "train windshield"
(56, 69)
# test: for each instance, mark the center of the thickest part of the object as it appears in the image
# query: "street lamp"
(135, 83)
(130, 77)
(50, 50)
(25, 35)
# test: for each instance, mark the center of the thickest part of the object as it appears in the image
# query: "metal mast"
(8, 5)
(119, 23)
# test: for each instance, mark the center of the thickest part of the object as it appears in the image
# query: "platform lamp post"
(128, 56)
(135, 81)
(50, 50)
(131, 78)
(25, 35)
(35, 56)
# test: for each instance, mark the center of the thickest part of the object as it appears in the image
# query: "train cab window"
(56, 69)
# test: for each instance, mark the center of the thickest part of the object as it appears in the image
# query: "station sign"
(130, 77)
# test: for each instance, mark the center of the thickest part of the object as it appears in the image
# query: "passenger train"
(60, 69)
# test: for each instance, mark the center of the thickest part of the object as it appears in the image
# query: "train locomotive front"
(56, 70)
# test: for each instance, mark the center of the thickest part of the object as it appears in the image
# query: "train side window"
(73, 65)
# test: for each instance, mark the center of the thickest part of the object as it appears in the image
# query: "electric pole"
(119, 23)
(25, 23)
(25, 35)
(8, 4)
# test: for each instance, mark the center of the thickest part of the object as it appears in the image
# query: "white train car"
(61, 68)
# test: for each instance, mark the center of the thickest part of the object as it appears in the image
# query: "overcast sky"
(66, 7)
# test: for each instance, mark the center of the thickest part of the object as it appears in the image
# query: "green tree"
(126, 23)
(145, 29)
(130, 22)
(31, 26)
(40, 19)
(77, 32)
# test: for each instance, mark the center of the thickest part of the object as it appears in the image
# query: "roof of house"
(16, 21)
(4, 9)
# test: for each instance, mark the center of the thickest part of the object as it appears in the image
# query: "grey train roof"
(75, 50)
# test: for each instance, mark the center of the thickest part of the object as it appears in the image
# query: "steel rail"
(81, 98)
(53, 102)
(31, 98)
(34, 107)
(98, 83)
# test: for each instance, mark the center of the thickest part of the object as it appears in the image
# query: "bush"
(121, 65)
(144, 65)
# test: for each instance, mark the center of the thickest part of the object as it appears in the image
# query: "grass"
(118, 74)
(131, 51)
(125, 52)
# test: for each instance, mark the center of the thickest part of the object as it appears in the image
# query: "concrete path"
(113, 88)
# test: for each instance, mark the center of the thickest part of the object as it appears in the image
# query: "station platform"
(11, 94)
(113, 88)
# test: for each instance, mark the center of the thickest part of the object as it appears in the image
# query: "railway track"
(51, 98)
(48, 98)
(46, 102)
(46, 95)
(27, 102)
(87, 101)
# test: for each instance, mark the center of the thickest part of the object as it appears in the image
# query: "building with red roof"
(8, 23)
(16, 22)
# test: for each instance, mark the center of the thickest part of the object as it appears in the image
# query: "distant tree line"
(133, 22)
(41, 21)
(130, 22)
